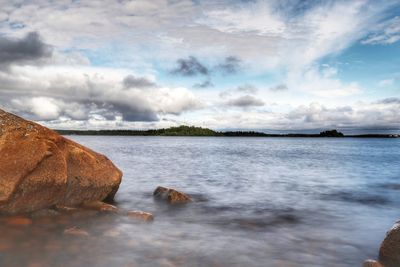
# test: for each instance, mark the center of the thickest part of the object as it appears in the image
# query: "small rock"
(76, 231)
(371, 263)
(389, 253)
(65, 208)
(100, 206)
(171, 195)
(18, 221)
(112, 233)
(141, 215)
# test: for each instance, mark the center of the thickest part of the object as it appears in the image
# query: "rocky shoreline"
(42, 172)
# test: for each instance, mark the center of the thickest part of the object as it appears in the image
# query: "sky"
(252, 65)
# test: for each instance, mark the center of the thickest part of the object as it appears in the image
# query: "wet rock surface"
(389, 254)
(171, 195)
(141, 216)
(371, 263)
(76, 231)
(45, 213)
(39, 169)
(100, 206)
(18, 221)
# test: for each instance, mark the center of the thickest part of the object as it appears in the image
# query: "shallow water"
(284, 202)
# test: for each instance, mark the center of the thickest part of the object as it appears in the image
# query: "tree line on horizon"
(199, 131)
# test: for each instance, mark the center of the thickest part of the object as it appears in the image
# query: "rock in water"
(371, 263)
(39, 168)
(141, 215)
(100, 206)
(18, 221)
(76, 231)
(171, 195)
(389, 254)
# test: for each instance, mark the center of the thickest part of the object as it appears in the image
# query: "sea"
(257, 202)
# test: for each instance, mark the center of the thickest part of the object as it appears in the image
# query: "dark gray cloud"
(242, 89)
(131, 81)
(248, 89)
(48, 109)
(279, 88)
(230, 65)
(91, 96)
(190, 67)
(390, 100)
(28, 48)
(245, 101)
(135, 112)
(204, 84)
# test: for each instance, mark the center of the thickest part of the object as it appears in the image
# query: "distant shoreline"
(205, 132)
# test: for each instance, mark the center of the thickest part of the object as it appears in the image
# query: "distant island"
(199, 131)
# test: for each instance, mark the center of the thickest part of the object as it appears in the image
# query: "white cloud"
(141, 38)
(266, 31)
(51, 92)
(387, 32)
(386, 82)
(381, 114)
(321, 82)
(258, 32)
(43, 107)
(174, 100)
(3, 16)
(258, 19)
(242, 89)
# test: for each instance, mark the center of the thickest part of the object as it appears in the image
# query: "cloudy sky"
(223, 64)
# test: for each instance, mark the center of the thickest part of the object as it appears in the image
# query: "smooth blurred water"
(286, 202)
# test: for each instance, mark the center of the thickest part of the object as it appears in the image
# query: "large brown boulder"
(389, 253)
(39, 168)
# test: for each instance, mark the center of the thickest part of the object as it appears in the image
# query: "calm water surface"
(286, 202)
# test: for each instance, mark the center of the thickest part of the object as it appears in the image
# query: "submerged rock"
(76, 231)
(371, 263)
(140, 215)
(63, 208)
(45, 213)
(39, 169)
(18, 221)
(389, 254)
(100, 206)
(112, 233)
(171, 195)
